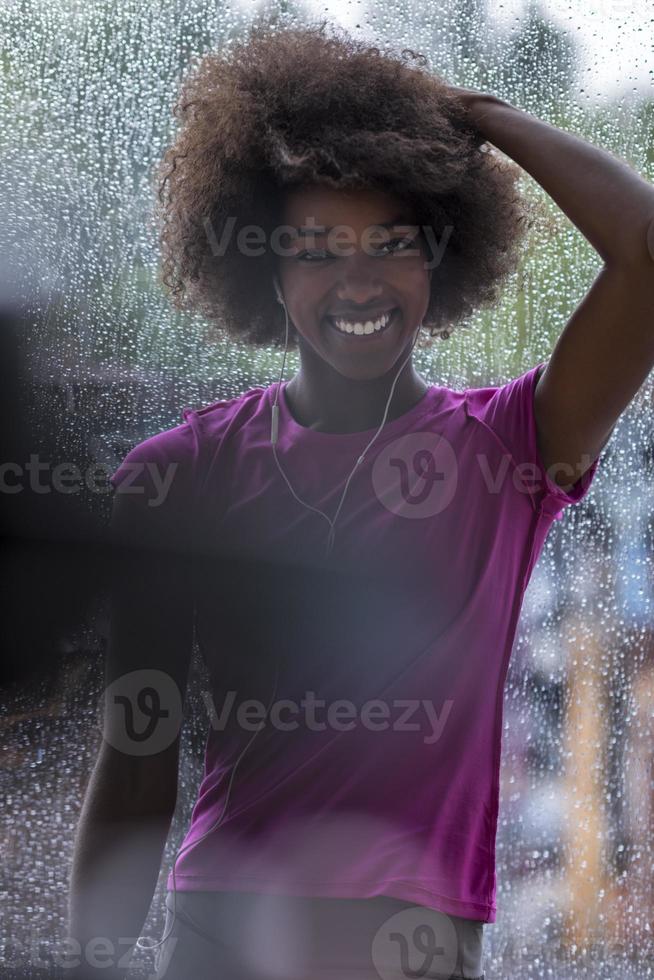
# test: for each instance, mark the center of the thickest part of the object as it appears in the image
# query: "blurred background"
(94, 359)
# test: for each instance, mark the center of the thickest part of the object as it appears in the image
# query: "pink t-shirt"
(377, 770)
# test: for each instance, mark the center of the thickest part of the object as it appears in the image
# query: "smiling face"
(357, 272)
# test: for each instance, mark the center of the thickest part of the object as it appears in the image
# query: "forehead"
(329, 206)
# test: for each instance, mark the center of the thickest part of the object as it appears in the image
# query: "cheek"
(415, 286)
(411, 270)
(307, 288)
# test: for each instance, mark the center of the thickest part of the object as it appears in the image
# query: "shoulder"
(155, 462)
(156, 501)
(226, 417)
(170, 461)
(507, 413)
(490, 402)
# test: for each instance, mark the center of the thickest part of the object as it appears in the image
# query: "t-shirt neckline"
(287, 422)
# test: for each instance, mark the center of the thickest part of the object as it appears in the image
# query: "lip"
(365, 337)
(368, 315)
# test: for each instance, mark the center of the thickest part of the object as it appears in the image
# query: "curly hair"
(297, 106)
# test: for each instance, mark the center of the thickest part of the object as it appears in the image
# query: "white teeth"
(363, 328)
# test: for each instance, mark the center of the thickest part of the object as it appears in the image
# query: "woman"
(377, 532)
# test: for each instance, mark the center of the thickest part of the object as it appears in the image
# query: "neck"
(328, 402)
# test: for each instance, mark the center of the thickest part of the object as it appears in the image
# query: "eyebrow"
(401, 219)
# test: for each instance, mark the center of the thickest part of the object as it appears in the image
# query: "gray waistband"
(330, 934)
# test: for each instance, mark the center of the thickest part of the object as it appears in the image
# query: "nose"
(359, 281)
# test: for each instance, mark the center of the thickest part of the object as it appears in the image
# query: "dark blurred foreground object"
(58, 559)
(51, 546)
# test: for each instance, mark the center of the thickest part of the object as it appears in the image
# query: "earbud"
(278, 291)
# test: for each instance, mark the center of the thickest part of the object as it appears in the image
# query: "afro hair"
(284, 107)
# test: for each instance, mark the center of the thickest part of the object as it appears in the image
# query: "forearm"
(116, 865)
(610, 204)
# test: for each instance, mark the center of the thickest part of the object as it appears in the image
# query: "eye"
(315, 255)
(404, 242)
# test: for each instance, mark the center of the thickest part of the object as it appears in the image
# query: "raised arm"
(606, 350)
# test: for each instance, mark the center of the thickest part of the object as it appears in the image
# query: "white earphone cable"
(274, 429)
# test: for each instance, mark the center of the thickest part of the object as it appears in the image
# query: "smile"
(363, 330)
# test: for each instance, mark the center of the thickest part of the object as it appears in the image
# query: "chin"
(364, 372)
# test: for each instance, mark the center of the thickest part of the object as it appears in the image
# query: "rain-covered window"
(95, 359)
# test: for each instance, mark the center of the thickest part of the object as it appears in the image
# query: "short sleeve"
(156, 482)
(508, 411)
